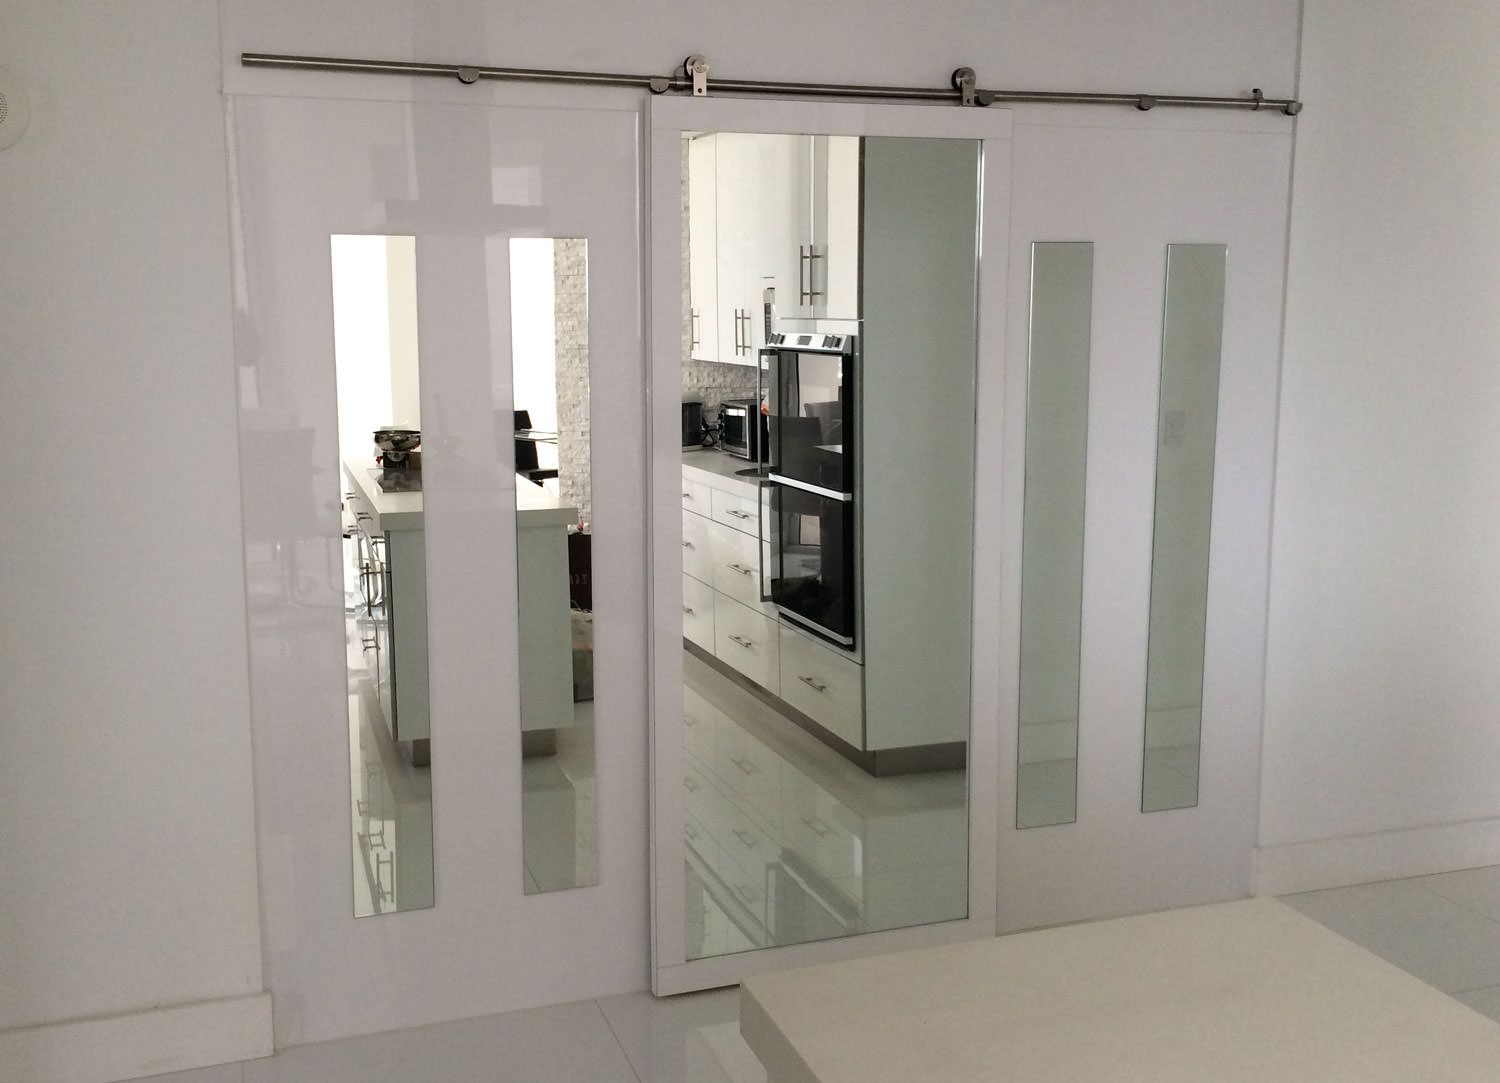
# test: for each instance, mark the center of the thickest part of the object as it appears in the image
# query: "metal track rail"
(693, 79)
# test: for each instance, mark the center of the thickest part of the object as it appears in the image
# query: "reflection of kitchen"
(825, 563)
(385, 572)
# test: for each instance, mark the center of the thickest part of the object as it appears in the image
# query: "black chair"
(527, 463)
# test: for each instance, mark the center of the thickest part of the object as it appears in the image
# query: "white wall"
(127, 838)
(1383, 696)
(128, 846)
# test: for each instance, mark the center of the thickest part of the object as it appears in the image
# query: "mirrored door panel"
(826, 536)
(1057, 408)
(1187, 427)
(374, 284)
(554, 573)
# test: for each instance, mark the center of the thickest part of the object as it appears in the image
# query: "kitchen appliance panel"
(812, 561)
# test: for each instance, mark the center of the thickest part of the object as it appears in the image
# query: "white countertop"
(1240, 992)
(535, 506)
(718, 467)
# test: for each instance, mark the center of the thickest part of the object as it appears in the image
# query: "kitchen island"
(393, 550)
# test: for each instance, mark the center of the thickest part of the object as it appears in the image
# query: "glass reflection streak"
(1057, 407)
(1187, 424)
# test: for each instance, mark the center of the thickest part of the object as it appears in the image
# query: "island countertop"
(535, 505)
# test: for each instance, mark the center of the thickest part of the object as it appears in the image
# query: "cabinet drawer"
(735, 565)
(740, 512)
(697, 560)
(697, 497)
(698, 612)
(823, 685)
(745, 640)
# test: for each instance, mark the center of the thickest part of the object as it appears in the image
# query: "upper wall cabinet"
(777, 213)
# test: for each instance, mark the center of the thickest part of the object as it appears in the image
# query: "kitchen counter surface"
(535, 506)
(719, 466)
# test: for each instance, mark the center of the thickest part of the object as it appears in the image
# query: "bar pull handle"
(693, 324)
(690, 611)
(735, 512)
(741, 640)
(816, 826)
(740, 568)
(814, 684)
(688, 545)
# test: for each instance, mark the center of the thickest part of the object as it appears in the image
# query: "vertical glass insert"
(550, 378)
(1187, 420)
(374, 281)
(1057, 407)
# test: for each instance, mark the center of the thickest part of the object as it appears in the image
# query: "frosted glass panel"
(1057, 407)
(1187, 420)
(550, 380)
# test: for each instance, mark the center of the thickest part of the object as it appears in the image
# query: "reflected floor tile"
(693, 1038)
(789, 842)
(568, 1043)
(1476, 889)
(1046, 793)
(221, 1073)
(1404, 923)
(1164, 784)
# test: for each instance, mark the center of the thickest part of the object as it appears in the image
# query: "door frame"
(668, 118)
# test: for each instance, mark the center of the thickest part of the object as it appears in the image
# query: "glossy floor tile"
(1406, 923)
(559, 810)
(788, 842)
(638, 1038)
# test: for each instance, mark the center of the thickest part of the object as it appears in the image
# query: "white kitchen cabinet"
(823, 684)
(703, 259)
(746, 640)
(698, 612)
(697, 558)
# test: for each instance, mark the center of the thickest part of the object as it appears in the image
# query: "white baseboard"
(116, 1047)
(1386, 855)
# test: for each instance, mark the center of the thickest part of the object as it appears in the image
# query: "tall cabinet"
(777, 212)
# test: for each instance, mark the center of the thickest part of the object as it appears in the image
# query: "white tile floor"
(1443, 929)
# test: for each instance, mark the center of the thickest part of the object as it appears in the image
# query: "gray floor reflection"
(558, 795)
(391, 810)
(788, 842)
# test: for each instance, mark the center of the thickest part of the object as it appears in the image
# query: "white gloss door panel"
(463, 179)
(1133, 191)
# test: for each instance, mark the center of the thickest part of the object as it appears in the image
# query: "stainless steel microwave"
(742, 429)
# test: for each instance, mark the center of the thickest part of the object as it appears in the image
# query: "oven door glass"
(811, 555)
(811, 424)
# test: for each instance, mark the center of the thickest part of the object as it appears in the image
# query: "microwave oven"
(742, 429)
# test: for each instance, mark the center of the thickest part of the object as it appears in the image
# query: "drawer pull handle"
(744, 764)
(747, 840)
(742, 641)
(689, 611)
(738, 514)
(741, 569)
(815, 685)
(362, 515)
(688, 545)
(687, 495)
(816, 826)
